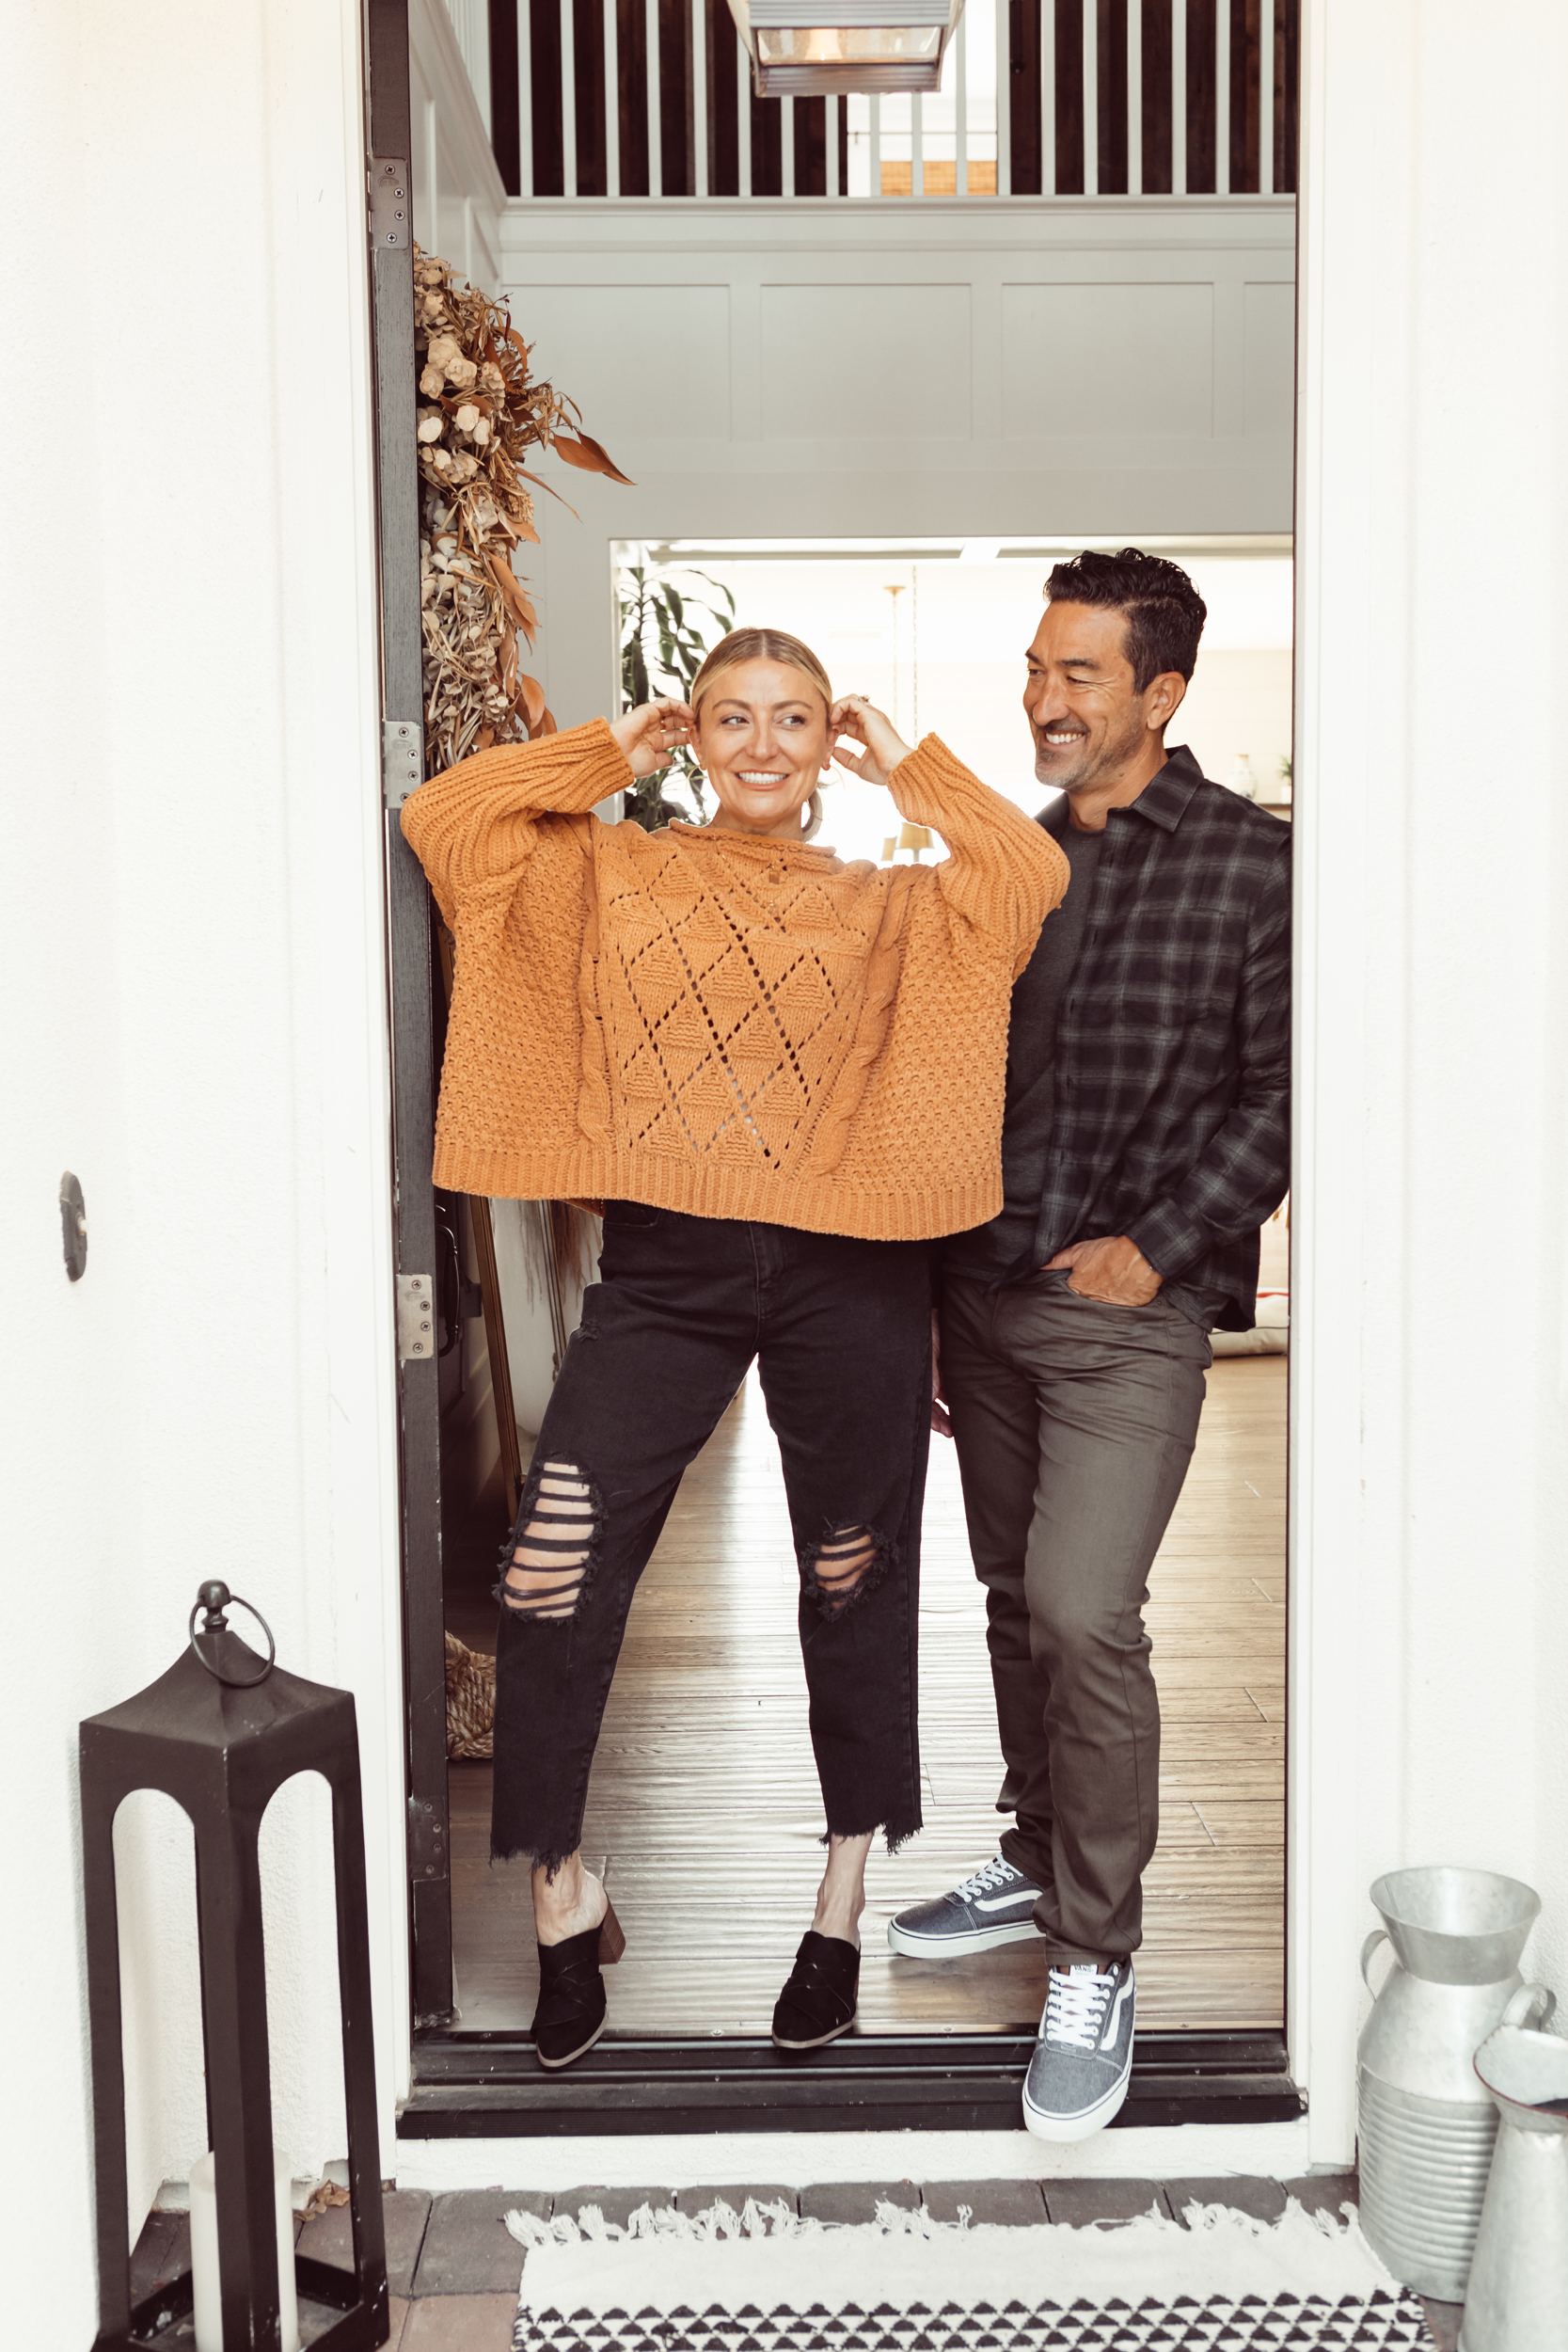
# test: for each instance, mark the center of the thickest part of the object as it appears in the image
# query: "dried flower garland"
(479, 412)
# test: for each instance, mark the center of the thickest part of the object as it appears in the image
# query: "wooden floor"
(704, 1783)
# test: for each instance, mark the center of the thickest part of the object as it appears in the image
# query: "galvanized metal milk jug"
(1518, 2292)
(1426, 2131)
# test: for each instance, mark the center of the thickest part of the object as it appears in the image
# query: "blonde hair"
(760, 644)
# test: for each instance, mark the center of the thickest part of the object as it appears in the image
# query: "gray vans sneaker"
(995, 1906)
(1077, 2077)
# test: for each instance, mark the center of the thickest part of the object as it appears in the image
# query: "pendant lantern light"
(827, 48)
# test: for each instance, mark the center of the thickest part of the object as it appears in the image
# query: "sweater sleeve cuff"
(593, 765)
(1002, 869)
(929, 783)
(556, 775)
(1170, 1237)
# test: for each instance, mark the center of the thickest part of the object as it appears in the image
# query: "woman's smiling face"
(764, 740)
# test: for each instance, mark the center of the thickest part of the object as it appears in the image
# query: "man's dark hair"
(1163, 611)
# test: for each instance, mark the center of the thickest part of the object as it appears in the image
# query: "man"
(1145, 1140)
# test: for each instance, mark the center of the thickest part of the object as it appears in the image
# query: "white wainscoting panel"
(870, 363)
(978, 367)
(1270, 393)
(651, 361)
(1109, 358)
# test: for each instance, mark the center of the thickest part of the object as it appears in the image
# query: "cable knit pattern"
(721, 1023)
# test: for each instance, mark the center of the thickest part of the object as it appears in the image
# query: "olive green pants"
(1075, 1424)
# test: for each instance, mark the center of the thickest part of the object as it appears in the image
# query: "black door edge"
(488, 2086)
(389, 135)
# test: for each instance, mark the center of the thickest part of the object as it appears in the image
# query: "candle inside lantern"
(204, 2256)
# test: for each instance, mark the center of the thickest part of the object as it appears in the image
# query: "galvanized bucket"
(1518, 2294)
(1425, 2134)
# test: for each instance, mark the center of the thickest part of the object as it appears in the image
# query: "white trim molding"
(796, 2159)
(458, 192)
(1430, 1469)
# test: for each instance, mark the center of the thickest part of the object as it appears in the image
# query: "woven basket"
(471, 1701)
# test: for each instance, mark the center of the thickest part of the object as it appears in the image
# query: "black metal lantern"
(220, 1733)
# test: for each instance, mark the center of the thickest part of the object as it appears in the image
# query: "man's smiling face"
(1087, 720)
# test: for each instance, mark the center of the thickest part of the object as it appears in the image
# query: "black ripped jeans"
(840, 1331)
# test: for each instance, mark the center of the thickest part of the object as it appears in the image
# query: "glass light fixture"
(873, 45)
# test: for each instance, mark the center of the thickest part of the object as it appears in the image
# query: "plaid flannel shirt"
(1173, 1045)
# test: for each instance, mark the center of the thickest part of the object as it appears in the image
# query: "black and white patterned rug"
(764, 2281)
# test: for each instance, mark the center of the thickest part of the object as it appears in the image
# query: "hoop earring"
(809, 833)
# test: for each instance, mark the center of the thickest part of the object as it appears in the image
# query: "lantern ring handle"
(207, 1600)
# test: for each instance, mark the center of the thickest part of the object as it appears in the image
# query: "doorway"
(704, 1770)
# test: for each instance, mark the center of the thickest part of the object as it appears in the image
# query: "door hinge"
(402, 761)
(391, 211)
(416, 1319)
(427, 1840)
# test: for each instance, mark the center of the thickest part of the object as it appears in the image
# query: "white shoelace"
(992, 1875)
(1075, 2005)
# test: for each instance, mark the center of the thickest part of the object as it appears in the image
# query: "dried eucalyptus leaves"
(479, 412)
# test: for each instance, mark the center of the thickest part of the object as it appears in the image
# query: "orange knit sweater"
(719, 1022)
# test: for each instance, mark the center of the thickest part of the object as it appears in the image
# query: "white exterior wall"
(195, 1022)
(1428, 1709)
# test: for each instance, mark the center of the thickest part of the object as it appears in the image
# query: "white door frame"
(1325, 1903)
(1325, 1900)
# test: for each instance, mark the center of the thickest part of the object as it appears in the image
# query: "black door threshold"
(484, 2086)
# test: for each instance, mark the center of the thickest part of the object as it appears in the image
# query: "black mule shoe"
(570, 2017)
(818, 2002)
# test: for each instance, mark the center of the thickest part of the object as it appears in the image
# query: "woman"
(783, 1075)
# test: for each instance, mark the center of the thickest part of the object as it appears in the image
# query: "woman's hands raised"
(864, 723)
(652, 735)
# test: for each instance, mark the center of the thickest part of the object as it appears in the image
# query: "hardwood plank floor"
(704, 1775)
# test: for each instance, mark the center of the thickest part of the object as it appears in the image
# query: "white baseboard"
(795, 2159)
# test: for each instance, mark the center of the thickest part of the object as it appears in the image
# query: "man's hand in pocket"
(1115, 1271)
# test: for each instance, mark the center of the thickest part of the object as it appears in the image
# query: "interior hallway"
(705, 1783)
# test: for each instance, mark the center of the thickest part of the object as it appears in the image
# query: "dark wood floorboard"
(705, 1784)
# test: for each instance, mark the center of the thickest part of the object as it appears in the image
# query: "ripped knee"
(844, 1566)
(548, 1559)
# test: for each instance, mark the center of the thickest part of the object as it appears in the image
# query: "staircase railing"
(1100, 98)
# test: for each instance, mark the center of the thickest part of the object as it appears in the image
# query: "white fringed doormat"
(766, 2281)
